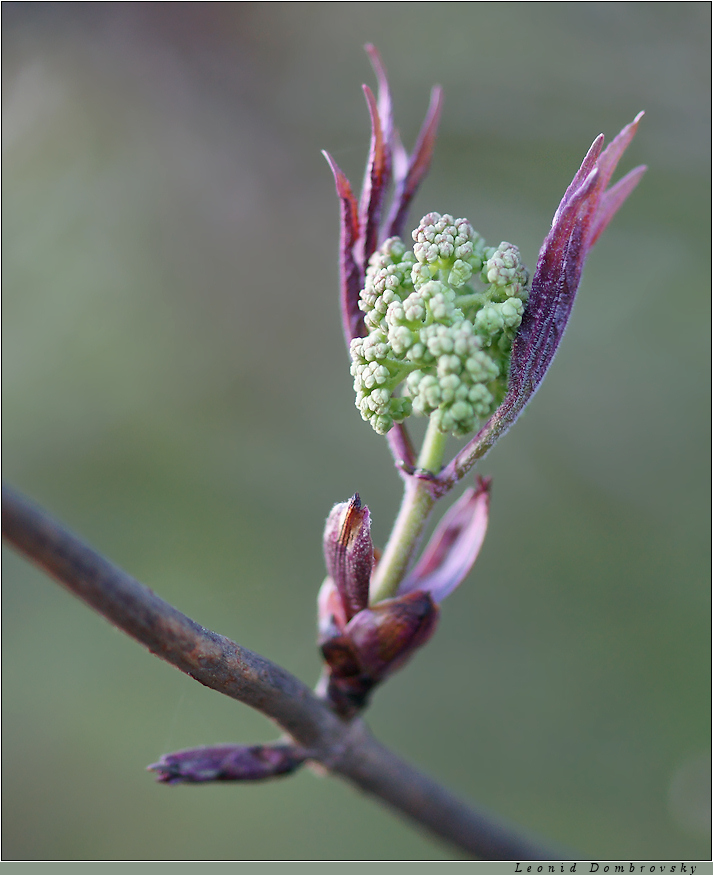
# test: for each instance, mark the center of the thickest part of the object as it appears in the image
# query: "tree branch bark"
(345, 749)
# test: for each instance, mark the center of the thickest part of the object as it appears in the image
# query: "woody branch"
(346, 749)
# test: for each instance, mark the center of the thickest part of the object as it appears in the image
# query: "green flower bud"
(441, 321)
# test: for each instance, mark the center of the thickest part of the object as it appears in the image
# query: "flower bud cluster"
(441, 320)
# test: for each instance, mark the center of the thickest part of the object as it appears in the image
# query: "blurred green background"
(177, 391)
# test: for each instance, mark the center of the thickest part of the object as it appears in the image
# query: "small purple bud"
(454, 546)
(349, 553)
(386, 635)
(227, 762)
(375, 643)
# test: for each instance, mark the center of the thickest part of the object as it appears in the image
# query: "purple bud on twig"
(376, 642)
(349, 553)
(361, 645)
(227, 762)
(387, 634)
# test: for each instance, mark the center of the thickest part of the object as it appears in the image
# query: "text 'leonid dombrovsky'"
(605, 868)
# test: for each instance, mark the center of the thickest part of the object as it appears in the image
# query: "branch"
(345, 749)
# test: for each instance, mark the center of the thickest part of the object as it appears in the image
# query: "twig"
(345, 749)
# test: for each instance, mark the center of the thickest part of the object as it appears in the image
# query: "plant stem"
(434, 446)
(416, 505)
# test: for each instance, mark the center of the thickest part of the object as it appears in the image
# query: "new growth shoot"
(447, 329)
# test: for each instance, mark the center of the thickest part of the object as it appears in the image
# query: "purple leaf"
(612, 200)
(385, 103)
(454, 546)
(585, 210)
(350, 275)
(361, 226)
(409, 172)
(376, 182)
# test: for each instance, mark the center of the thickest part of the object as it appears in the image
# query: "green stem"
(416, 505)
(434, 446)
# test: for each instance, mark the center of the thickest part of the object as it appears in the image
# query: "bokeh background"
(176, 390)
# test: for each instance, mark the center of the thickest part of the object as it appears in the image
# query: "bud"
(227, 762)
(349, 553)
(386, 635)
(376, 642)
